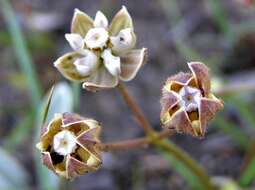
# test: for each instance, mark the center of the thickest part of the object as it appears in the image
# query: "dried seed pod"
(69, 145)
(187, 102)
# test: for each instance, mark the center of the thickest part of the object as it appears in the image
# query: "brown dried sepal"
(190, 122)
(85, 158)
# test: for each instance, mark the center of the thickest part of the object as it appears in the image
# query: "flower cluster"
(102, 53)
(187, 102)
(69, 145)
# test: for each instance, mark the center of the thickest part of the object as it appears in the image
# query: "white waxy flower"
(75, 41)
(190, 98)
(86, 64)
(125, 40)
(111, 62)
(64, 143)
(96, 38)
(100, 20)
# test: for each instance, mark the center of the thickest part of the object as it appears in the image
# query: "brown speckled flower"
(102, 53)
(69, 145)
(187, 102)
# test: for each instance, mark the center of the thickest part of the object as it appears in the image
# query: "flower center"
(64, 143)
(190, 98)
(96, 38)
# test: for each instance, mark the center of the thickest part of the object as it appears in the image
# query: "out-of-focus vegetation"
(221, 33)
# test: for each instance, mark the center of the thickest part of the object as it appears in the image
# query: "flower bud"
(96, 38)
(187, 102)
(69, 145)
(124, 41)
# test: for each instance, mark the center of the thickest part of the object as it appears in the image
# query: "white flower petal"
(100, 79)
(189, 98)
(124, 41)
(87, 64)
(100, 20)
(75, 41)
(64, 143)
(111, 62)
(96, 38)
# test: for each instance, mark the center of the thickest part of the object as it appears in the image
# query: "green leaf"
(12, 174)
(59, 100)
(22, 53)
(190, 170)
(47, 107)
(76, 94)
(233, 131)
(248, 174)
(62, 100)
(20, 132)
(220, 17)
(183, 171)
(245, 110)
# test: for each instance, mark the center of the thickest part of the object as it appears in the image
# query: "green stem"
(182, 156)
(164, 145)
(135, 143)
(22, 52)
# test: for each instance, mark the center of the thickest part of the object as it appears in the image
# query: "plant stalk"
(182, 156)
(144, 123)
(153, 138)
(142, 142)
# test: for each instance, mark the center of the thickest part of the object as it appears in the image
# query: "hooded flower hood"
(187, 102)
(102, 53)
(69, 145)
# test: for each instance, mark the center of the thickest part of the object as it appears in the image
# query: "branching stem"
(156, 139)
(142, 142)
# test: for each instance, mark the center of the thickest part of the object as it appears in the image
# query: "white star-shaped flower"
(189, 98)
(96, 38)
(64, 143)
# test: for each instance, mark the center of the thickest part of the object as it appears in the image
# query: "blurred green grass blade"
(220, 17)
(22, 53)
(183, 171)
(171, 8)
(5, 39)
(185, 166)
(20, 132)
(187, 52)
(76, 95)
(244, 108)
(47, 107)
(248, 175)
(12, 174)
(138, 178)
(61, 100)
(236, 133)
